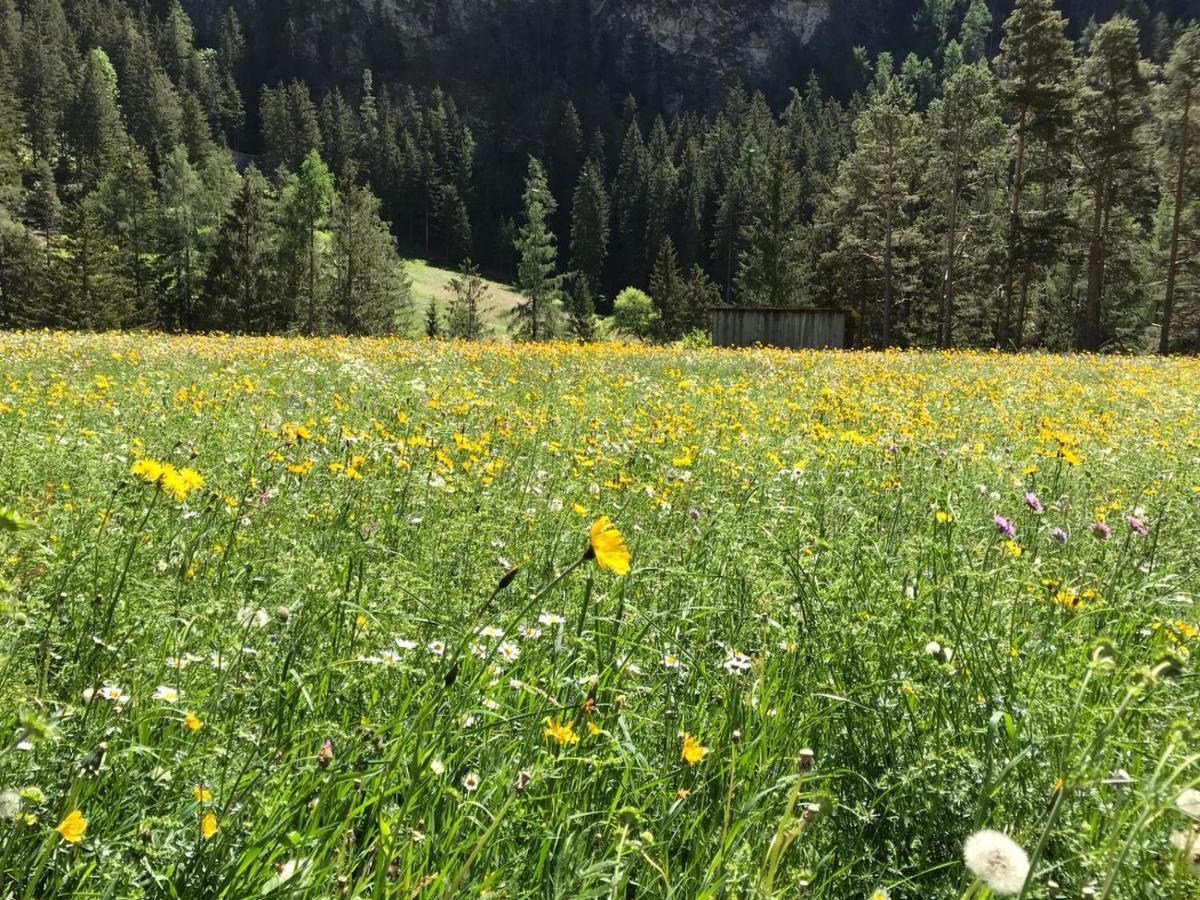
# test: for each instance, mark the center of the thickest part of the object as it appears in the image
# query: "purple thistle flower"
(1005, 526)
(1101, 530)
(1059, 535)
(1137, 524)
(1034, 503)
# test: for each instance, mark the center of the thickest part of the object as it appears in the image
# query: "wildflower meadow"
(372, 618)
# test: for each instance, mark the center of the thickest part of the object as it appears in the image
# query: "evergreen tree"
(339, 135)
(589, 225)
(303, 212)
(94, 126)
(964, 177)
(237, 292)
(469, 294)
(372, 294)
(1037, 85)
(701, 296)
(117, 227)
(1178, 109)
(1113, 110)
(770, 268)
(180, 264)
(289, 126)
(976, 33)
(536, 317)
(667, 292)
(871, 205)
(149, 101)
(44, 72)
(433, 322)
(629, 205)
(581, 309)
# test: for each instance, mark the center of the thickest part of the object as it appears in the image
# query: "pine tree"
(1113, 110)
(180, 264)
(630, 205)
(149, 101)
(1037, 85)
(289, 126)
(469, 294)
(701, 296)
(589, 225)
(667, 292)
(339, 135)
(772, 261)
(124, 211)
(964, 177)
(372, 294)
(94, 125)
(1178, 108)
(976, 32)
(237, 291)
(433, 322)
(871, 205)
(47, 57)
(581, 309)
(536, 317)
(304, 209)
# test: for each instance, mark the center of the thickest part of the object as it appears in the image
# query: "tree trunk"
(1014, 214)
(1164, 339)
(947, 336)
(887, 283)
(1095, 268)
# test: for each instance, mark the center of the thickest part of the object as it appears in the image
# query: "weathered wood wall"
(793, 329)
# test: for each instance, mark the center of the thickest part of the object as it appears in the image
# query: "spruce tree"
(238, 285)
(289, 126)
(771, 264)
(433, 322)
(1178, 113)
(964, 178)
(1037, 86)
(94, 125)
(667, 293)
(581, 309)
(1113, 110)
(180, 263)
(589, 225)
(469, 295)
(304, 210)
(536, 317)
(372, 294)
(976, 33)
(871, 207)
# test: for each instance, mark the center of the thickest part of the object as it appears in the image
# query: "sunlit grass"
(371, 638)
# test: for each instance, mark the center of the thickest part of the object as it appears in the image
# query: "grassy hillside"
(433, 283)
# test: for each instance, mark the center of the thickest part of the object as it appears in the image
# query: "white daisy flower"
(167, 693)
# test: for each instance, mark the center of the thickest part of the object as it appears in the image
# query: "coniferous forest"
(1027, 177)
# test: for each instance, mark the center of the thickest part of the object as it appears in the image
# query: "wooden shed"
(788, 327)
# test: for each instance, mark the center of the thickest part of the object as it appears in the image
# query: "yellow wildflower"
(72, 827)
(202, 795)
(692, 751)
(562, 732)
(192, 722)
(607, 547)
(208, 825)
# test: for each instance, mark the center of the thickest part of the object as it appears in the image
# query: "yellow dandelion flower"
(562, 732)
(607, 547)
(72, 827)
(593, 728)
(943, 517)
(202, 795)
(692, 751)
(147, 469)
(208, 825)
(192, 722)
